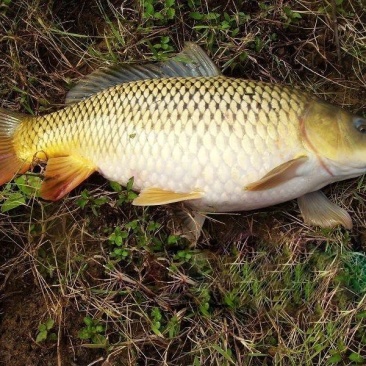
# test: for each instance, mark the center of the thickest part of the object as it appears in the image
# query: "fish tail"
(10, 163)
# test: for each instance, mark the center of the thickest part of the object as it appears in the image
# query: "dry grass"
(260, 289)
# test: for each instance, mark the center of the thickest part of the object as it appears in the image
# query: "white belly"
(223, 185)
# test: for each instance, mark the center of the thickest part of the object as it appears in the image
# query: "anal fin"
(190, 223)
(316, 209)
(63, 174)
(157, 196)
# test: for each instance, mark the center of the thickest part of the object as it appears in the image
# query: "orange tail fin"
(10, 164)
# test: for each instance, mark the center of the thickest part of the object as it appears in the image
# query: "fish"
(186, 133)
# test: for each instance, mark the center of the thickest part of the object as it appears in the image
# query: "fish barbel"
(186, 133)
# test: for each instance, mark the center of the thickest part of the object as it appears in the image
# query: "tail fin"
(10, 164)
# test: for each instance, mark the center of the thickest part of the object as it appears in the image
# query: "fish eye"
(360, 124)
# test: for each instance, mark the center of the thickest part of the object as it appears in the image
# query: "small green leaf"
(204, 308)
(84, 333)
(149, 9)
(334, 359)
(28, 185)
(235, 32)
(155, 329)
(99, 328)
(99, 339)
(131, 196)
(156, 314)
(52, 337)
(14, 200)
(212, 16)
(158, 16)
(172, 239)
(243, 56)
(115, 186)
(170, 13)
(361, 315)
(355, 357)
(41, 336)
(173, 327)
(153, 226)
(195, 15)
(42, 327)
(118, 240)
(134, 224)
(224, 353)
(130, 184)
(100, 201)
(88, 320)
(49, 324)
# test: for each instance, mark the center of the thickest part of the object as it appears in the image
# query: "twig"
(335, 29)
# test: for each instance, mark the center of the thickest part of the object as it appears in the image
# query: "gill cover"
(332, 133)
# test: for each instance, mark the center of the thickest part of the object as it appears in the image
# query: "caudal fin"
(10, 164)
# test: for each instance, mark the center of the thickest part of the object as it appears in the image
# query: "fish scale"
(185, 132)
(186, 126)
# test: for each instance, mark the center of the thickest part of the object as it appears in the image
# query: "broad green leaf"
(14, 200)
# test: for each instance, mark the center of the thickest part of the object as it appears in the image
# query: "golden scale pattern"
(157, 125)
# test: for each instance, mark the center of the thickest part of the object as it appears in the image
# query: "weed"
(93, 331)
(156, 318)
(94, 203)
(44, 333)
(162, 49)
(353, 275)
(125, 195)
(17, 194)
(157, 12)
(117, 238)
(291, 16)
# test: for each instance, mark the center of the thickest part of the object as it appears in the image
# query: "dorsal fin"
(192, 61)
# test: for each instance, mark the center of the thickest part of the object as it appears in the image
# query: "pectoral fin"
(63, 174)
(278, 175)
(316, 209)
(157, 196)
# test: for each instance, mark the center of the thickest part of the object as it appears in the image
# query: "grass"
(93, 280)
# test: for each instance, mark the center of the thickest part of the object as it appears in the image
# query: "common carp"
(187, 133)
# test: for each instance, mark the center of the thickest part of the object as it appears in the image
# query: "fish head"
(337, 137)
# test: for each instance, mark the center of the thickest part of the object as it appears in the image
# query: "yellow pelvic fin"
(157, 196)
(278, 175)
(316, 209)
(63, 174)
(10, 164)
